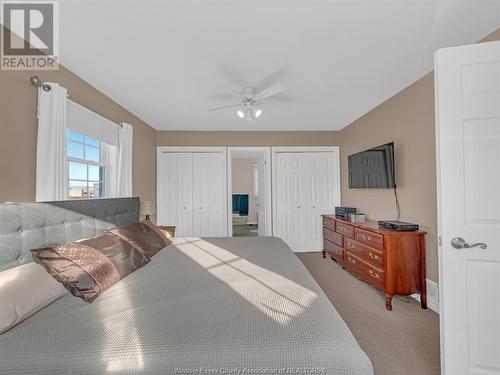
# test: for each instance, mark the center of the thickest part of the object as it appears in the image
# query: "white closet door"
(209, 194)
(307, 185)
(175, 180)
(290, 221)
(323, 196)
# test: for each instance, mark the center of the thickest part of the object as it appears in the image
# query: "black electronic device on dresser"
(399, 226)
(344, 212)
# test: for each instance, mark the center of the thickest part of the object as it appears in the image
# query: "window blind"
(87, 122)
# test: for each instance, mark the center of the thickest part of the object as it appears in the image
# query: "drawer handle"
(373, 256)
(366, 238)
(352, 246)
(351, 260)
(374, 274)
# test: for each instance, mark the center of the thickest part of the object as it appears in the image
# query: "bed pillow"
(24, 290)
(88, 268)
(143, 235)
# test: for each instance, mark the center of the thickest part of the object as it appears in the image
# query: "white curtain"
(118, 181)
(109, 157)
(124, 172)
(51, 167)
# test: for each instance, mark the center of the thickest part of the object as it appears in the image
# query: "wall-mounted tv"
(373, 168)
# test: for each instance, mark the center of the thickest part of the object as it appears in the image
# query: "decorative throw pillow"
(90, 267)
(120, 252)
(143, 235)
(23, 291)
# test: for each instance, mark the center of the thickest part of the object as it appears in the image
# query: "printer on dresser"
(392, 261)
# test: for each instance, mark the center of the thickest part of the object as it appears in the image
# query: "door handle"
(460, 243)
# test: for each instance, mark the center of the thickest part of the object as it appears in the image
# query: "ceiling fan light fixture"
(240, 114)
(249, 115)
(258, 113)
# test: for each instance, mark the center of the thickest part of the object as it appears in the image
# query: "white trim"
(188, 149)
(432, 296)
(439, 207)
(292, 149)
(306, 149)
(229, 196)
(269, 209)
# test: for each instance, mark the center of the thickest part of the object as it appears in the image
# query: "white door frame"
(311, 149)
(190, 149)
(267, 157)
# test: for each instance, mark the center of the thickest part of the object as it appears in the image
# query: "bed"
(202, 305)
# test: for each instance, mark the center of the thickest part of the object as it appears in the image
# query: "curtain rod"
(35, 80)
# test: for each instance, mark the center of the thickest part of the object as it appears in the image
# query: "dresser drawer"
(364, 270)
(345, 229)
(335, 251)
(369, 238)
(369, 254)
(329, 223)
(332, 236)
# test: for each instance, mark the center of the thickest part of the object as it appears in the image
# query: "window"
(85, 168)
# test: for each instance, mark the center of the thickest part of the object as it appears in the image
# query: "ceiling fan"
(251, 103)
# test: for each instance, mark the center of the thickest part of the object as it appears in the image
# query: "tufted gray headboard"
(26, 226)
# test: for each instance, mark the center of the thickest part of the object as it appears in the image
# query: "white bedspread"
(219, 305)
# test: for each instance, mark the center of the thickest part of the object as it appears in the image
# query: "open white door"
(468, 155)
(262, 198)
(262, 157)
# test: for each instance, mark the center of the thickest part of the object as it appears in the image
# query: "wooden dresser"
(391, 261)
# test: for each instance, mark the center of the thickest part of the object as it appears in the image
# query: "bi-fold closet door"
(306, 185)
(191, 192)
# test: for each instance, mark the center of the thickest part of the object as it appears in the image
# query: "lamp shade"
(147, 208)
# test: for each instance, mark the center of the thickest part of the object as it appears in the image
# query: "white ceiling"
(164, 60)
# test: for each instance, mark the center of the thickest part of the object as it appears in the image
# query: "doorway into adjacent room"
(249, 187)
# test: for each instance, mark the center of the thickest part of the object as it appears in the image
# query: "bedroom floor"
(245, 230)
(404, 341)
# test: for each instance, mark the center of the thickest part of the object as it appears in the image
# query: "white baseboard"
(432, 296)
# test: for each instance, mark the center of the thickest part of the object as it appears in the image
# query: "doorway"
(249, 187)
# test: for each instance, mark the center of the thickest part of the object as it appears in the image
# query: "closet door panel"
(209, 194)
(175, 178)
(290, 220)
(322, 189)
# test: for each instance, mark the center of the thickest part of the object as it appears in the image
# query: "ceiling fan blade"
(268, 81)
(235, 92)
(224, 96)
(270, 91)
(224, 107)
(280, 97)
(233, 76)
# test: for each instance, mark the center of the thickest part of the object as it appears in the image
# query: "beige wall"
(242, 183)
(240, 139)
(407, 119)
(18, 132)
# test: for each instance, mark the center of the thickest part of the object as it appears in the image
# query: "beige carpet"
(402, 341)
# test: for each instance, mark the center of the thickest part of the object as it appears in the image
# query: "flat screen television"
(373, 168)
